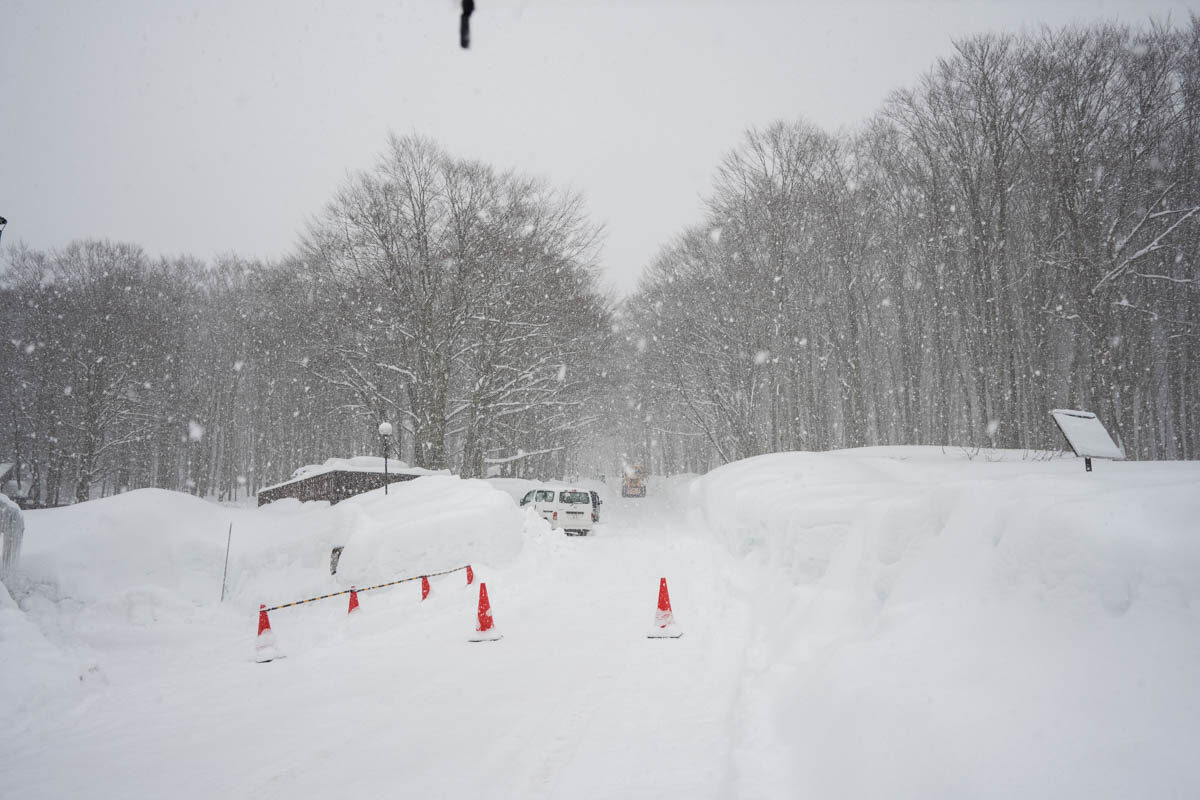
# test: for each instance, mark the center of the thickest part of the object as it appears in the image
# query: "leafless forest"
(1018, 231)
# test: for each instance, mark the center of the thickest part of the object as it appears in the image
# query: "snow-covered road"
(574, 702)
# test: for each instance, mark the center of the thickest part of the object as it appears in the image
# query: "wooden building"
(335, 485)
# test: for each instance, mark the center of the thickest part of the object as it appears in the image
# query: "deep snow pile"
(100, 580)
(993, 626)
(169, 548)
(427, 525)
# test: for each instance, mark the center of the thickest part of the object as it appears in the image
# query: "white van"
(567, 508)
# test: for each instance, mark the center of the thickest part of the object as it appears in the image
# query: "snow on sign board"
(1086, 434)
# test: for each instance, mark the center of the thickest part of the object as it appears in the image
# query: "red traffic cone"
(664, 619)
(470, 575)
(424, 587)
(265, 648)
(485, 629)
(353, 601)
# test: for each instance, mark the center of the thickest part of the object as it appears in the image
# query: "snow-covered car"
(567, 508)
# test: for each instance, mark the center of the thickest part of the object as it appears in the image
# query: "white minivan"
(567, 508)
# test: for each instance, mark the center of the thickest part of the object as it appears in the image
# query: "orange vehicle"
(634, 484)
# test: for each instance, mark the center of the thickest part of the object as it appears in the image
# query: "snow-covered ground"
(896, 622)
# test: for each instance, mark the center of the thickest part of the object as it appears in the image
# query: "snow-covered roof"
(355, 464)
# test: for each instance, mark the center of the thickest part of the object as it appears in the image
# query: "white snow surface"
(885, 622)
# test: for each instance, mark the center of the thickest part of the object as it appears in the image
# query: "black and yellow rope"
(367, 589)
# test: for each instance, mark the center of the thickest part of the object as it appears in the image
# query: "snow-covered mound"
(102, 581)
(152, 548)
(432, 524)
(971, 619)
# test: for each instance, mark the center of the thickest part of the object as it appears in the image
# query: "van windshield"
(574, 497)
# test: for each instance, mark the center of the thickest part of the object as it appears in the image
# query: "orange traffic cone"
(265, 648)
(485, 629)
(664, 619)
(353, 601)
(424, 587)
(470, 575)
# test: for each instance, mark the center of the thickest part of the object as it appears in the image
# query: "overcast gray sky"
(209, 126)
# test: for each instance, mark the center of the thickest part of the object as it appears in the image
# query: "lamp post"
(385, 430)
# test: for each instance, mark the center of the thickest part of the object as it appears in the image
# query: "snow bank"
(106, 579)
(129, 557)
(968, 623)
(427, 525)
(152, 548)
(149, 539)
(141, 568)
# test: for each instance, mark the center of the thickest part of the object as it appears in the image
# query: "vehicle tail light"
(555, 515)
(593, 516)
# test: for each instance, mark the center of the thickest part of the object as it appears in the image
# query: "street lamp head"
(385, 429)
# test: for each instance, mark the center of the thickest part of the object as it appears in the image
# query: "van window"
(545, 496)
(528, 498)
(575, 498)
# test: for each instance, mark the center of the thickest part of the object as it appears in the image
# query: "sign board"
(1086, 434)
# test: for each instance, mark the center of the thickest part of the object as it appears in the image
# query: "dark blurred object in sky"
(464, 28)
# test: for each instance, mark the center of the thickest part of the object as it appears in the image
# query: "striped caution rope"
(367, 589)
